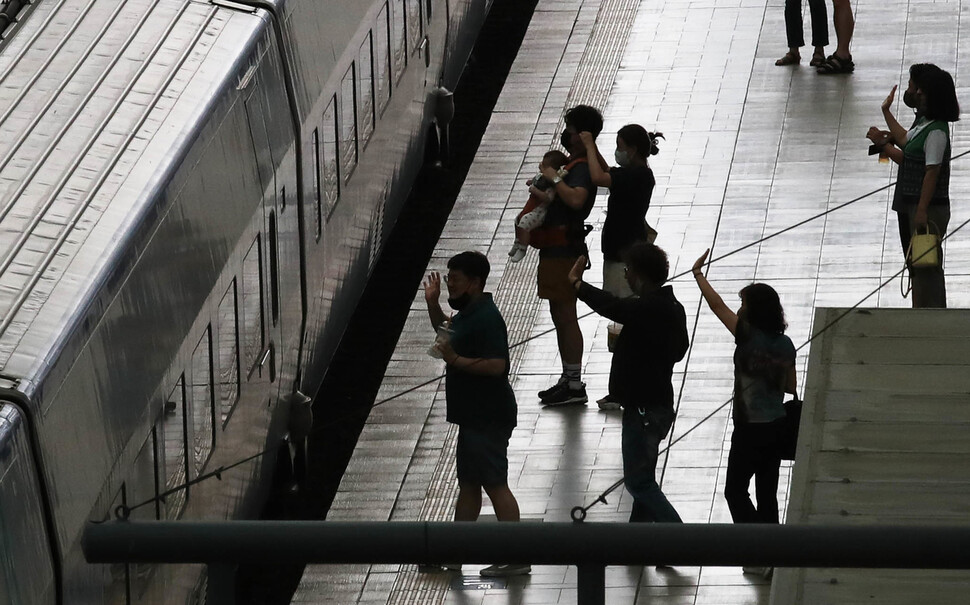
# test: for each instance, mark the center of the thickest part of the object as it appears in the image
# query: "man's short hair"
(472, 264)
(585, 118)
(648, 261)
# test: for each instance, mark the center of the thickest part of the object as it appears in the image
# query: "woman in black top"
(631, 185)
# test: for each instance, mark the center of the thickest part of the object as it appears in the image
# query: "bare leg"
(522, 236)
(469, 502)
(844, 26)
(568, 334)
(506, 507)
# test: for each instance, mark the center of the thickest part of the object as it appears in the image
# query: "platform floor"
(750, 148)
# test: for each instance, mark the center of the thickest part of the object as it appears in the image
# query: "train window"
(173, 440)
(365, 90)
(317, 190)
(399, 47)
(252, 306)
(331, 169)
(415, 26)
(348, 124)
(228, 336)
(274, 269)
(200, 395)
(382, 61)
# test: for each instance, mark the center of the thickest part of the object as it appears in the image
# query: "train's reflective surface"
(192, 195)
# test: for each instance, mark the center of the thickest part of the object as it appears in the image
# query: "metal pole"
(591, 585)
(533, 543)
(221, 584)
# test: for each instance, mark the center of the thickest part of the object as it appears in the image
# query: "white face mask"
(622, 158)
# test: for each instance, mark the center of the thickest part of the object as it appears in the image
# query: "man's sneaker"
(764, 572)
(501, 571)
(562, 384)
(565, 395)
(438, 568)
(608, 404)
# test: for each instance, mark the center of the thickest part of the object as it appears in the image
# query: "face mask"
(460, 302)
(622, 158)
(565, 139)
(909, 99)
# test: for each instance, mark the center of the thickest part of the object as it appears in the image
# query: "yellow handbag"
(924, 249)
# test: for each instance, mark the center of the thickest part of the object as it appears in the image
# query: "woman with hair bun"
(764, 370)
(631, 185)
(922, 198)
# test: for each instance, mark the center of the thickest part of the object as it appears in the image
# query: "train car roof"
(98, 101)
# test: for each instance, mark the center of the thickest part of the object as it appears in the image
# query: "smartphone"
(874, 149)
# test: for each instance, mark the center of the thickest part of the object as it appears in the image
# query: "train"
(193, 194)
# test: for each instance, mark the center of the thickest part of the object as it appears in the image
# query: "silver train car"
(192, 196)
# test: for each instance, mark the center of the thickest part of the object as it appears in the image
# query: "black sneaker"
(562, 384)
(502, 571)
(565, 395)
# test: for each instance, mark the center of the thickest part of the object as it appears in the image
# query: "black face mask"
(460, 302)
(565, 139)
(909, 99)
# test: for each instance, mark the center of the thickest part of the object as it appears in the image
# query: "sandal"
(817, 59)
(835, 64)
(790, 58)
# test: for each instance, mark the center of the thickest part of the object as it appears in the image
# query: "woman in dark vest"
(922, 197)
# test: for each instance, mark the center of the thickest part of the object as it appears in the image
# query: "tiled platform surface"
(751, 148)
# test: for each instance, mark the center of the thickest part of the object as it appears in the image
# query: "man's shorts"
(553, 279)
(482, 456)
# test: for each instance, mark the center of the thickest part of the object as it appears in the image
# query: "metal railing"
(590, 546)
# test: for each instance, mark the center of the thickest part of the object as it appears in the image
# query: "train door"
(260, 271)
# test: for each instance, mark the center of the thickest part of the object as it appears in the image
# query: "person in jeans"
(562, 235)
(653, 339)
(764, 370)
(794, 28)
(478, 396)
(922, 197)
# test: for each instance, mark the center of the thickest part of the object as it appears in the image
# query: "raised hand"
(432, 287)
(699, 263)
(888, 103)
(576, 273)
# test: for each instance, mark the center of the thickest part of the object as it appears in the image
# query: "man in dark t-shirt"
(575, 195)
(478, 395)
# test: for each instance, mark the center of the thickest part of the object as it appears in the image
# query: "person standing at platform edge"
(764, 370)
(562, 235)
(653, 339)
(478, 395)
(922, 196)
(631, 185)
(795, 31)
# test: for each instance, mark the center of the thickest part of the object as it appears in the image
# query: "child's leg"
(522, 236)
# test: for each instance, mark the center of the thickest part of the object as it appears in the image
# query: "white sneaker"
(764, 572)
(517, 252)
(501, 571)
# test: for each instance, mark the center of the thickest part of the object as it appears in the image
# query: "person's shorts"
(482, 456)
(552, 278)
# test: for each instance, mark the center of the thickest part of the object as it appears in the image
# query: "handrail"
(590, 546)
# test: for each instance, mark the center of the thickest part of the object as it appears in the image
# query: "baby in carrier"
(542, 192)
